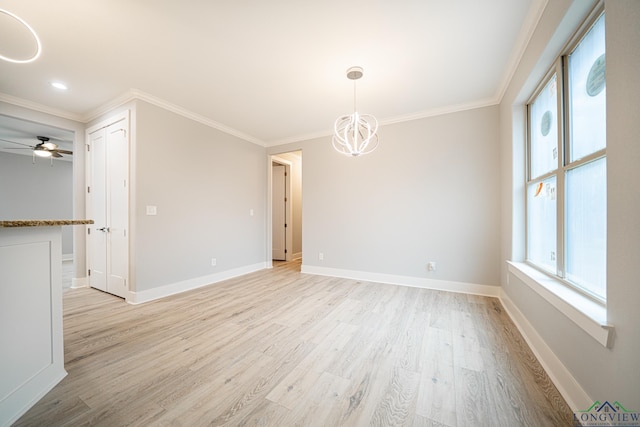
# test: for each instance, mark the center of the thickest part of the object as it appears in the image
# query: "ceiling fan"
(43, 149)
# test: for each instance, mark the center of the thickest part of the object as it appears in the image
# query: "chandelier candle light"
(355, 134)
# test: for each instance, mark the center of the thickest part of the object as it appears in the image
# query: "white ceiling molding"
(441, 111)
(137, 94)
(526, 32)
(133, 94)
(399, 119)
(14, 100)
(130, 95)
(107, 107)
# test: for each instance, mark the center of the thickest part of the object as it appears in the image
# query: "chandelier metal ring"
(355, 134)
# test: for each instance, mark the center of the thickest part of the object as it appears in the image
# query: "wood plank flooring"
(281, 348)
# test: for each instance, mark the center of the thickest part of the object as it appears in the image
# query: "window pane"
(588, 93)
(587, 226)
(541, 223)
(543, 120)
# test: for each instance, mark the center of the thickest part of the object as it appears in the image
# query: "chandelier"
(355, 134)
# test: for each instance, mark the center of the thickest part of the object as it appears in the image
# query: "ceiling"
(271, 72)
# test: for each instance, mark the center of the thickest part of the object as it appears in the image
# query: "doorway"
(280, 174)
(286, 206)
(41, 187)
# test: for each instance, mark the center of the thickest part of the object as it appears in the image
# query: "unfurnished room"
(291, 213)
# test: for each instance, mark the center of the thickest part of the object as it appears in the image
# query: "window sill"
(585, 313)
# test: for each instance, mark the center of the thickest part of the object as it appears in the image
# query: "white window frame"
(560, 69)
(585, 310)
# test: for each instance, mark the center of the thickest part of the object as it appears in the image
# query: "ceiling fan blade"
(63, 151)
(55, 154)
(18, 148)
(18, 143)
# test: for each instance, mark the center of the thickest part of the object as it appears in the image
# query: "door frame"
(288, 208)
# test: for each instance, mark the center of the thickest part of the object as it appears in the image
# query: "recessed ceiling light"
(59, 85)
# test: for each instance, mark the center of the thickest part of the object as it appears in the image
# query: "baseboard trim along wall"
(416, 282)
(566, 384)
(79, 282)
(188, 285)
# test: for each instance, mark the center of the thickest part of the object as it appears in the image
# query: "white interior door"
(109, 208)
(118, 209)
(279, 219)
(97, 237)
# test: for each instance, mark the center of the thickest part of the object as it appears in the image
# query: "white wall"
(37, 190)
(204, 183)
(429, 193)
(603, 374)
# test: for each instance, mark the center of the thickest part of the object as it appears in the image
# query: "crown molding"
(106, 108)
(529, 26)
(135, 94)
(440, 111)
(130, 95)
(24, 103)
(487, 102)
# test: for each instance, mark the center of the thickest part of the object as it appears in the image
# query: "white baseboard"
(187, 285)
(416, 282)
(569, 388)
(79, 282)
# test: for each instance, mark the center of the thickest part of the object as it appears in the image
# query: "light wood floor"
(280, 348)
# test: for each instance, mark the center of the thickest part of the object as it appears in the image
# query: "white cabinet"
(108, 205)
(31, 340)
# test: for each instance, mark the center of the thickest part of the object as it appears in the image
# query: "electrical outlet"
(431, 266)
(214, 262)
(321, 256)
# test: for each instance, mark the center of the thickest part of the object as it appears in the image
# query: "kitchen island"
(31, 336)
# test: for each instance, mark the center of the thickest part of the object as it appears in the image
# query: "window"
(566, 191)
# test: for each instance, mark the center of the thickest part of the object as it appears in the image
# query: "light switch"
(152, 210)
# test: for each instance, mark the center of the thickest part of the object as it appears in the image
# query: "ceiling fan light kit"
(41, 152)
(355, 134)
(43, 149)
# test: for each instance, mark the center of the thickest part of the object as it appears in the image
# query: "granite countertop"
(43, 222)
